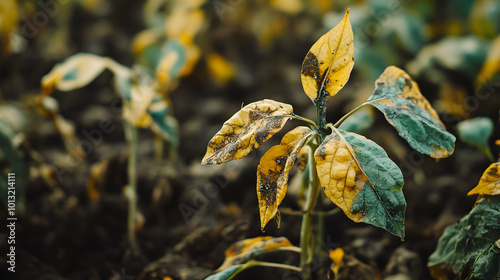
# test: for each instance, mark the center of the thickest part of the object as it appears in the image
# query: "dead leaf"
(243, 250)
(246, 130)
(489, 184)
(273, 171)
(329, 62)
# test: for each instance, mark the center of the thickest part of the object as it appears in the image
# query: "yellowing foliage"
(489, 184)
(246, 130)
(340, 173)
(273, 170)
(329, 62)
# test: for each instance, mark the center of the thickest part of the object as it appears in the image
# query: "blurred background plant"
(202, 59)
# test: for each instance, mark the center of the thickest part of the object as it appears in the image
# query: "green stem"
(308, 121)
(252, 263)
(339, 122)
(131, 133)
(321, 114)
(306, 235)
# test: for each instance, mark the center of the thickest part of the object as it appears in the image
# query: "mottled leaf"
(246, 130)
(329, 62)
(244, 250)
(489, 184)
(381, 200)
(405, 108)
(358, 176)
(468, 248)
(273, 170)
(79, 70)
(476, 132)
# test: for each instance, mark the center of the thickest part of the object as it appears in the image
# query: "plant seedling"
(354, 172)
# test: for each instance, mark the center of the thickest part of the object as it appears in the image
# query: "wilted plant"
(164, 54)
(354, 172)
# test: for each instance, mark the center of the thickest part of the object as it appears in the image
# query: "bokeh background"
(205, 59)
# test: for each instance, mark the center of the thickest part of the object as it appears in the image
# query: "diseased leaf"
(246, 130)
(468, 248)
(381, 200)
(244, 250)
(489, 184)
(79, 70)
(273, 170)
(329, 62)
(358, 176)
(399, 98)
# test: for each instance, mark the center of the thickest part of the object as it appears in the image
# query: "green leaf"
(399, 98)
(469, 246)
(228, 273)
(476, 132)
(381, 200)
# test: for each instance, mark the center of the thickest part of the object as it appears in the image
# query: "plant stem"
(270, 264)
(339, 122)
(321, 113)
(131, 133)
(306, 238)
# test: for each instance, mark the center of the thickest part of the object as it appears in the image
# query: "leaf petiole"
(300, 118)
(341, 120)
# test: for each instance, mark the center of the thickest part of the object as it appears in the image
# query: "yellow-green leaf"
(246, 130)
(329, 62)
(358, 176)
(244, 250)
(340, 173)
(489, 184)
(79, 70)
(399, 98)
(272, 172)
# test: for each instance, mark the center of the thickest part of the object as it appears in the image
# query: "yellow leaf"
(96, 175)
(242, 250)
(220, 68)
(491, 65)
(273, 170)
(291, 7)
(329, 62)
(9, 19)
(246, 130)
(340, 173)
(336, 256)
(489, 184)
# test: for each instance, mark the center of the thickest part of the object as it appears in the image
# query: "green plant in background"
(476, 132)
(470, 249)
(354, 172)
